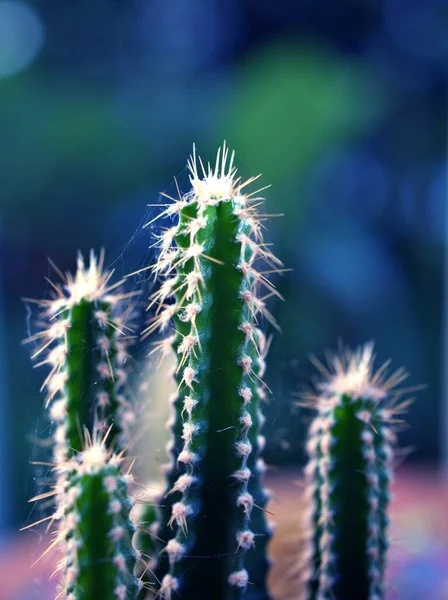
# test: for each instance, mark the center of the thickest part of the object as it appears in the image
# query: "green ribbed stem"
(353, 452)
(384, 456)
(349, 501)
(86, 383)
(101, 559)
(257, 560)
(210, 553)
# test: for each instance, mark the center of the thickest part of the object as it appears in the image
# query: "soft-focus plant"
(348, 475)
(82, 341)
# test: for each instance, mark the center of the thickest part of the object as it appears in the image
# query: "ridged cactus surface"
(257, 561)
(348, 476)
(83, 342)
(95, 531)
(211, 300)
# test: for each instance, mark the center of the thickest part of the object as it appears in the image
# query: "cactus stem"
(84, 344)
(212, 297)
(350, 448)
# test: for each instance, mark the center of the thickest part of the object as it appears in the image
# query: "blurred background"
(341, 106)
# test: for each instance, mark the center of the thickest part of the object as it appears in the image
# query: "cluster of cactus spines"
(210, 296)
(348, 476)
(84, 344)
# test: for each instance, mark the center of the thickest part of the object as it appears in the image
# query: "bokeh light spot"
(22, 35)
(419, 27)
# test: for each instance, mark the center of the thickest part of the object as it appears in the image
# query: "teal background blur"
(340, 105)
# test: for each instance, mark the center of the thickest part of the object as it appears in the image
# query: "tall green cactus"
(210, 295)
(84, 344)
(350, 449)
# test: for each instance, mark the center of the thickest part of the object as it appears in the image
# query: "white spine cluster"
(169, 586)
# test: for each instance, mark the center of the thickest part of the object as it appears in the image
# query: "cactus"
(210, 296)
(94, 530)
(86, 351)
(348, 476)
(206, 535)
(85, 347)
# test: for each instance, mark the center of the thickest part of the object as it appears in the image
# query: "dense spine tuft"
(350, 449)
(210, 296)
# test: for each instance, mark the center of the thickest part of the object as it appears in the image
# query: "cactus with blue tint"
(95, 531)
(350, 449)
(84, 344)
(210, 297)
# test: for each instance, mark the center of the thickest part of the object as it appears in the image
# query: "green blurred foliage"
(292, 101)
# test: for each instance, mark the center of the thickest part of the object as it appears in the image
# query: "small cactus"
(94, 530)
(348, 476)
(83, 342)
(210, 299)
